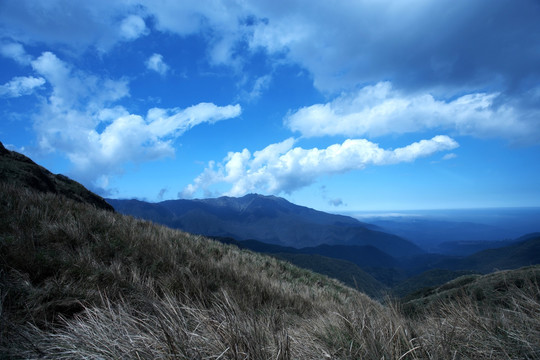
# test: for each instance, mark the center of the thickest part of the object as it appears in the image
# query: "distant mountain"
(458, 237)
(268, 219)
(465, 248)
(525, 251)
(18, 169)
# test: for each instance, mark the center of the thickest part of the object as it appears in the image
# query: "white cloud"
(281, 167)
(380, 110)
(260, 85)
(449, 156)
(19, 86)
(16, 52)
(80, 119)
(133, 27)
(156, 63)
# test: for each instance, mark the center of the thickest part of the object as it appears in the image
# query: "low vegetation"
(81, 282)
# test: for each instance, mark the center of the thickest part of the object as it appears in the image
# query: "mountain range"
(268, 219)
(355, 252)
(335, 245)
(78, 280)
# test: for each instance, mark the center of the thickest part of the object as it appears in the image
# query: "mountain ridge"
(268, 219)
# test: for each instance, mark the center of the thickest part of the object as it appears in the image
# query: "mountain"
(18, 169)
(429, 233)
(80, 282)
(523, 252)
(268, 219)
(430, 270)
(465, 248)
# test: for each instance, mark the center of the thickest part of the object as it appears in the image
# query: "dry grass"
(77, 282)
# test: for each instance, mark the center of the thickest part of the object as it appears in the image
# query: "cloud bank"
(380, 110)
(282, 168)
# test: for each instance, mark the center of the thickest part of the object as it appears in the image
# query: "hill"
(489, 291)
(522, 252)
(18, 169)
(267, 219)
(77, 282)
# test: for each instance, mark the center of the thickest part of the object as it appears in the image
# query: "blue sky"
(341, 106)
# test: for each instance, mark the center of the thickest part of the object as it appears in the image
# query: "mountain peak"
(268, 219)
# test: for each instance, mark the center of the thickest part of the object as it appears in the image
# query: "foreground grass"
(78, 282)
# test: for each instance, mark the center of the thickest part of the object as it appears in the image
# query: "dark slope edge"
(21, 170)
(265, 218)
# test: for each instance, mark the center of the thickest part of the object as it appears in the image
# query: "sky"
(336, 105)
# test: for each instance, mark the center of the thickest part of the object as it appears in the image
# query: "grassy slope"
(78, 282)
(21, 170)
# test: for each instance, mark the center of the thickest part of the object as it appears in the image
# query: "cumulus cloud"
(19, 86)
(80, 119)
(156, 63)
(133, 27)
(282, 168)
(380, 110)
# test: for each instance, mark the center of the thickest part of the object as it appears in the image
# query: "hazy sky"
(337, 105)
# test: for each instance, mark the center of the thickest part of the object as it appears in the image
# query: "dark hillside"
(488, 291)
(18, 169)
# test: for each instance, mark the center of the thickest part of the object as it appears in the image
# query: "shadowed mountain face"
(19, 169)
(268, 219)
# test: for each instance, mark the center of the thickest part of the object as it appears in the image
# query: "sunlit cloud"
(380, 110)
(80, 119)
(282, 168)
